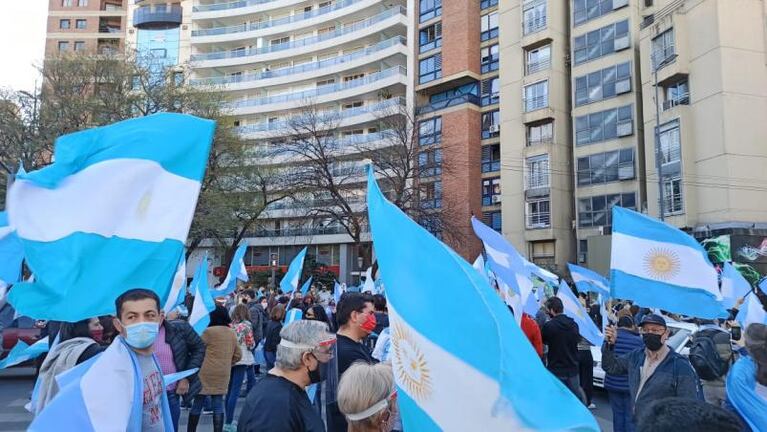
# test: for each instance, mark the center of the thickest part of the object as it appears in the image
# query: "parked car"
(679, 340)
(22, 328)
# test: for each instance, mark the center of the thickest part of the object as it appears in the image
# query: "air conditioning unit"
(496, 199)
(494, 128)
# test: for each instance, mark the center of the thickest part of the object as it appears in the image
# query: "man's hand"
(611, 334)
(182, 387)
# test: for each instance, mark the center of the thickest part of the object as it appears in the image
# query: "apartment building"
(90, 26)
(160, 31)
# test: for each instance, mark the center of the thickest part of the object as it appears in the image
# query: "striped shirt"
(164, 355)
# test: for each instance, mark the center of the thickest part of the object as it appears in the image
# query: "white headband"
(288, 344)
(378, 406)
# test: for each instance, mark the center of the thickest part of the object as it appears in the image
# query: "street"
(16, 386)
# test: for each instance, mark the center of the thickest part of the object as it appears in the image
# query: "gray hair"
(363, 386)
(303, 332)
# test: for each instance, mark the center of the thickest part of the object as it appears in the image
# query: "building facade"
(89, 26)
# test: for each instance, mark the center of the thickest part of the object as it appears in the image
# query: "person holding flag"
(747, 381)
(617, 386)
(560, 334)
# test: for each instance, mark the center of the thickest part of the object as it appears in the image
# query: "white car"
(679, 341)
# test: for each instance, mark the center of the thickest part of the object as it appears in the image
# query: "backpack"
(707, 353)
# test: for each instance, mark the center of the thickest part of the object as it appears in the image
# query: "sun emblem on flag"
(410, 365)
(143, 204)
(661, 263)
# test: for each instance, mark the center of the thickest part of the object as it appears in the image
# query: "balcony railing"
(299, 204)
(538, 66)
(534, 25)
(294, 232)
(538, 219)
(535, 103)
(663, 56)
(273, 23)
(158, 17)
(302, 42)
(323, 90)
(229, 5)
(536, 181)
(680, 100)
(455, 100)
(228, 79)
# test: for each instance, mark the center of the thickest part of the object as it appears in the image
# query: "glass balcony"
(446, 103)
(229, 5)
(158, 17)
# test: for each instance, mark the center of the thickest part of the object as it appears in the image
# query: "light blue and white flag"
(337, 292)
(369, 286)
(575, 310)
(11, 252)
(203, 305)
(293, 314)
(587, 280)
(177, 376)
(236, 271)
(444, 381)
(657, 265)
(603, 311)
(734, 285)
(110, 214)
(746, 395)
(104, 393)
(751, 311)
(305, 287)
(22, 352)
(289, 282)
(177, 288)
(532, 305)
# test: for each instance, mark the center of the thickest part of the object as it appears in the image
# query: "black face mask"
(315, 375)
(652, 341)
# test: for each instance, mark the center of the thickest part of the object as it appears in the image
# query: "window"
(348, 106)
(603, 84)
(63, 46)
(537, 172)
(430, 131)
(597, 211)
(491, 191)
(663, 50)
(534, 16)
(606, 167)
(670, 143)
(488, 26)
(430, 163)
(484, 4)
(158, 53)
(490, 91)
(79, 45)
(430, 69)
(587, 10)
(542, 253)
(430, 37)
(489, 58)
(676, 94)
(601, 42)
(82, 3)
(64, 24)
(66, 3)
(672, 196)
(537, 59)
(540, 133)
(431, 195)
(279, 41)
(538, 213)
(81, 24)
(536, 96)
(491, 158)
(354, 77)
(429, 9)
(326, 82)
(491, 124)
(493, 220)
(604, 125)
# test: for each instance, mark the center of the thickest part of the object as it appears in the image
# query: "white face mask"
(264, 305)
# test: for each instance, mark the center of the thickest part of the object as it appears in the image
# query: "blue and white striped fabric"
(203, 305)
(337, 291)
(104, 393)
(236, 271)
(576, 311)
(22, 352)
(11, 252)
(734, 285)
(587, 280)
(744, 395)
(289, 282)
(305, 287)
(369, 286)
(177, 288)
(174, 377)
(111, 213)
(293, 314)
(751, 311)
(473, 374)
(657, 265)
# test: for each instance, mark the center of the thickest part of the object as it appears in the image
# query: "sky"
(22, 32)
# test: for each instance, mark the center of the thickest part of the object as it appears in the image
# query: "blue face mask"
(141, 335)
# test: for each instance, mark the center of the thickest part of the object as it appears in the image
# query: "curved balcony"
(323, 94)
(344, 118)
(239, 8)
(281, 25)
(305, 71)
(343, 146)
(157, 17)
(367, 27)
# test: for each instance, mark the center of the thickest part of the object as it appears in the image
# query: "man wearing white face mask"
(138, 321)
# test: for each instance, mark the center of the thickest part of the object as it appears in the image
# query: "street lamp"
(658, 152)
(273, 262)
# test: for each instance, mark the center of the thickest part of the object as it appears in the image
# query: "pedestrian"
(273, 330)
(367, 397)
(654, 371)
(109, 332)
(259, 319)
(617, 386)
(711, 355)
(317, 313)
(381, 312)
(243, 329)
(221, 352)
(179, 348)
(279, 401)
(674, 413)
(586, 371)
(560, 335)
(532, 332)
(747, 381)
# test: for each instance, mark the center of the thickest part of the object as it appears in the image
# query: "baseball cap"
(653, 319)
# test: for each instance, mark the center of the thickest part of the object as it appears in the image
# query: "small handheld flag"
(576, 311)
(305, 287)
(203, 305)
(589, 281)
(734, 285)
(22, 352)
(289, 282)
(236, 271)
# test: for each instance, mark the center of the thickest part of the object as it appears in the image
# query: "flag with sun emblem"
(111, 213)
(479, 373)
(659, 266)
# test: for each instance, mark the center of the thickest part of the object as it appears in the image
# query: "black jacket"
(560, 334)
(273, 330)
(188, 350)
(258, 318)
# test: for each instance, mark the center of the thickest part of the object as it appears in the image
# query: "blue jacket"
(674, 376)
(626, 342)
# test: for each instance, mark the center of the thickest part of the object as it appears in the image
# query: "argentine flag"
(659, 266)
(337, 291)
(236, 271)
(11, 252)
(478, 373)
(305, 287)
(576, 311)
(203, 305)
(110, 214)
(751, 311)
(589, 281)
(369, 286)
(734, 285)
(289, 282)
(178, 287)
(22, 352)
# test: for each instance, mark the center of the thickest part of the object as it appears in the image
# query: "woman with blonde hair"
(366, 396)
